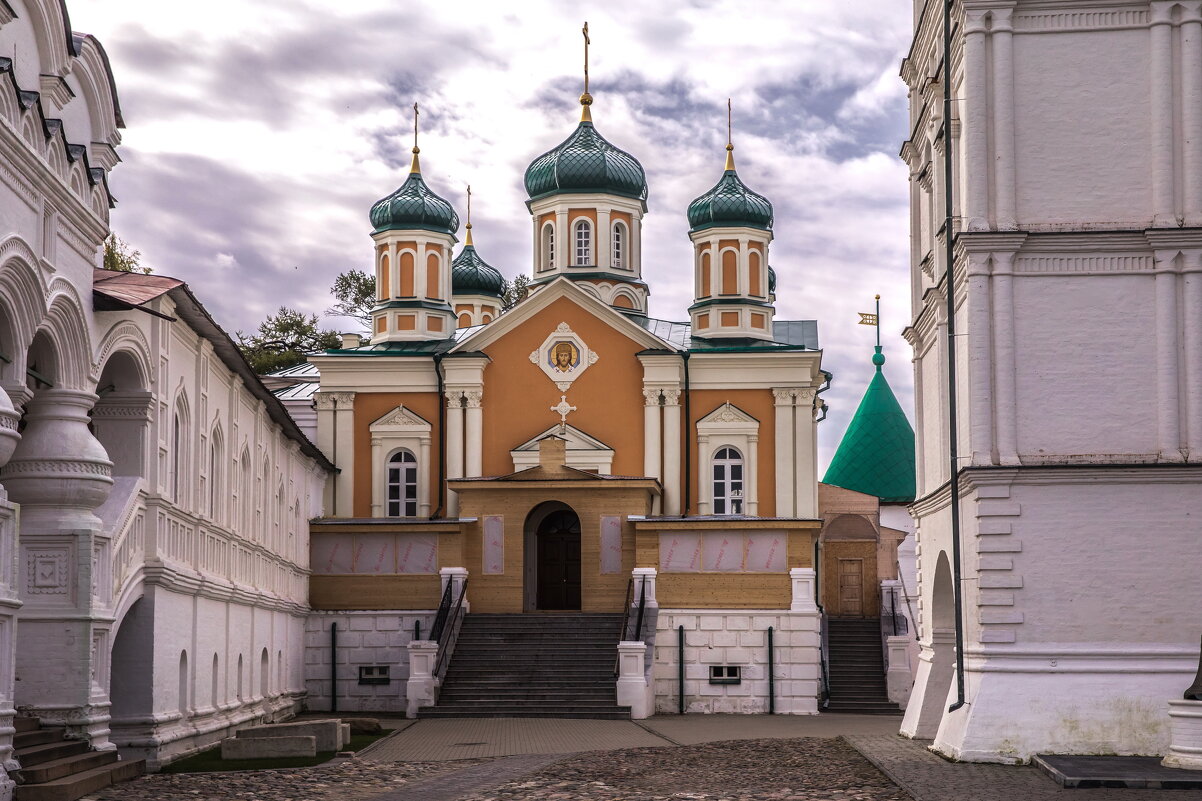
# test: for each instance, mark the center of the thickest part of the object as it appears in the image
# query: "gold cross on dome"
(563, 409)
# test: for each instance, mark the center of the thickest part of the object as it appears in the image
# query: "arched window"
(264, 675)
(548, 260)
(728, 482)
(176, 457)
(584, 243)
(183, 682)
(402, 485)
(214, 698)
(214, 475)
(239, 677)
(245, 502)
(619, 251)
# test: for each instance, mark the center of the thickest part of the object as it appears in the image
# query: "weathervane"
(467, 243)
(586, 99)
(874, 319)
(730, 147)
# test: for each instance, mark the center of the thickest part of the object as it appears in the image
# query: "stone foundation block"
(327, 733)
(268, 747)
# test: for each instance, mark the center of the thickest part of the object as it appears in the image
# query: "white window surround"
(582, 242)
(727, 473)
(728, 426)
(399, 429)
(401, 470)
(619, 246)
(548, 260)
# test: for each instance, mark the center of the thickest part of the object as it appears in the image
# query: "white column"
(1191, 114)
(805, 493)
(783, 428)
(752, 494)
(562, 244)
(652, 437)
(1167, 378)
(672, 451)
(419, 279)
(324, 403)
(980, 444)
(344, 427)
(604, 240)
(1004, 366)
(636, 245)
(1161, 79)
(394, 270)
(705, 490)
(538, 246)
(474, 441)
(377, 487)
(1192, 314)
(426, 476)
(974, 117)
(454, 454)
(1004, 164)
(742, 277)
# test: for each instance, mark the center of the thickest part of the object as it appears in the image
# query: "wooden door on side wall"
(558, 554)
(851, 587)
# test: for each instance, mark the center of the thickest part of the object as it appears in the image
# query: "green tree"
(514, 292)
(283, 339)
(118, 255)
(356, 294)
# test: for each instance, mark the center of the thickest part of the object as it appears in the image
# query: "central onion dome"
(730, 204)
(586, 162)
(414, 205)
(472, 275)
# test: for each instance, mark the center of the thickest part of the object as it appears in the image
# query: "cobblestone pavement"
(810, 769)
(340, 780)
(928, 777)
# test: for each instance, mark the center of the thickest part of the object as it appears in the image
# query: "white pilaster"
(672, 434)
(1002, 36)
(454, 455)
(805, 493)
(1167, 378)
(975, 119)
(783, 428)
(1161, 73)
(474, 444)
(1192, 316)
(344, 456)
(562, 245)
(980, 366)
(652, 436)
(753, 475)
(604, 242)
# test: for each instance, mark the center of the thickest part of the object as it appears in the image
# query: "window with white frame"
(402, 484)
(584, 243)
(619, 249)
(728, 482)
(548, 260)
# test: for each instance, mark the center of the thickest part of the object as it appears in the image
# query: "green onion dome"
(771, 281)
(414, 206)
(586, 162)
(472, 275)
(730, 204)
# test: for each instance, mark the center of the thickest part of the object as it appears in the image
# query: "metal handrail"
(625, 622)
(638, 628)
(448, 633)
(444, 609)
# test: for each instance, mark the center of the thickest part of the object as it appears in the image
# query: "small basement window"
(373, 674)
(725, 674)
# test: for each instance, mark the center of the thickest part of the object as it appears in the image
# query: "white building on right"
(1078, 292)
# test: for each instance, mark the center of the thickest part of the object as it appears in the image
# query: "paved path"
(692, 729)
(470, 780)
(928, 777)
(439, 739)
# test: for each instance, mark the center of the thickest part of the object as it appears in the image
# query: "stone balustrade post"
(644, 577)
(803, 581)
(633, 688)
(421, 689)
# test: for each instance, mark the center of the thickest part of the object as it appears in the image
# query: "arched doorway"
(553, 558)
(937, 658)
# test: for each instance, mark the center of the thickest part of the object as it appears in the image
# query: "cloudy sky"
(261, 131)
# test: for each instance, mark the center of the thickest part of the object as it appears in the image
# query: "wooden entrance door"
(851, 587)
(558, 544)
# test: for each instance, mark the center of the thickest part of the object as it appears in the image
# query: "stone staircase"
(856, 666)
(532, 666)
(54, 768)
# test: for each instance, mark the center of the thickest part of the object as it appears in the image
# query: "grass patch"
(211, 762)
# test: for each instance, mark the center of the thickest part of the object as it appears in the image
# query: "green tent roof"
(876, 455)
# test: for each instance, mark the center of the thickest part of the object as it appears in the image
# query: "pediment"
(576, 440)
(400, 419)
(728, 413)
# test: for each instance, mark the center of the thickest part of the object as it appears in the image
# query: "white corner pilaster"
(1192, 317)
(1167, 359)
(454, 455)
(1161, 74)
(652, 436)
(474, 430)
(1004, 366)
(1005, 195)
(783, 436)
(672, 451)
(805, 492)
(975, 119)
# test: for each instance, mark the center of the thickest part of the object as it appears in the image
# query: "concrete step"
(48, 752)
(25, 739)
(26, 724)
(69, 788)
(58, 768)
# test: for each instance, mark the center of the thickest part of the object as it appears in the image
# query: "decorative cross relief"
(563, 356)
(563, 409)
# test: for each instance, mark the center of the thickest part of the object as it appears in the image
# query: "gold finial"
(467, 242)
(416, 165)
(586, 99)
(730, 148)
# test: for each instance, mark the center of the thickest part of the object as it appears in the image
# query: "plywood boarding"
(374, 592)
(724, 591)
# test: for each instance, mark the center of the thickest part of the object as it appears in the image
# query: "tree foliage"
(283, 339)
(118, 255)
(514, 292)
(356, 294)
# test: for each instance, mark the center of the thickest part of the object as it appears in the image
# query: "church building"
(574, 455)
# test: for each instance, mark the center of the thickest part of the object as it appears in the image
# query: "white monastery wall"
(739, 638)
(363, 639)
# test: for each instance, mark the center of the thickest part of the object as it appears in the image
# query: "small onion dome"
(586, 162)
(472, 275)
(414, 205)
(771, 281)
(730, 204)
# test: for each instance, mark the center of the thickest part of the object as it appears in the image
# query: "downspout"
(442, 435)
(952, 439)
(688, 439)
